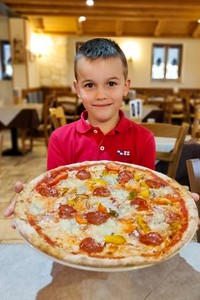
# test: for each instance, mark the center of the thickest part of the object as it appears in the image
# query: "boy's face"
(101, 86)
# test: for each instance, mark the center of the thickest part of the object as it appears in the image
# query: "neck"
(105, 126)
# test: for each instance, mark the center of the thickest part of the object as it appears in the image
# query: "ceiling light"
(81, 19)
(198, 21)
(90, 2)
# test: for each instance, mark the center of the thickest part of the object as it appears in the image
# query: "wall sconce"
(40, 44)
(131, 50)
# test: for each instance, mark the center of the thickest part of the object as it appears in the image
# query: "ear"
(127, 86)
(75, 85)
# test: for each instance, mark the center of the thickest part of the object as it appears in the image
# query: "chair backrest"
(70, 105)
(196, 123)
(57, 116)
(193, 169)
(178, 132)
(175, 108)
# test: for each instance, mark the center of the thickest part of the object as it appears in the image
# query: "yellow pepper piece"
(138, 176)
(72, 202)
(96, 182)
(144, 184)
(145, 193)
(142, 224)
(115, 239)
(176, 226)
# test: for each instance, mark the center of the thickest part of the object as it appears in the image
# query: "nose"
(101, 94)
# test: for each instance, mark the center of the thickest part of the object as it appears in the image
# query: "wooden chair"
(1, 147)
(70, 105)
(57, 116)
(196, 123)
(176, 109)
(193, 169)
(44, 129)
(178, 132)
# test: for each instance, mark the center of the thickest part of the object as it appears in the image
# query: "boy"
(102, 132)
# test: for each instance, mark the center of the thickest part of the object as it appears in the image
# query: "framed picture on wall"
(18, 51)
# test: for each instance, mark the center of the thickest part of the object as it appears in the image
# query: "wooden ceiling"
(127, 18)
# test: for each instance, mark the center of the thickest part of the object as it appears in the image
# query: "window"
(166, 62)
(5, 61)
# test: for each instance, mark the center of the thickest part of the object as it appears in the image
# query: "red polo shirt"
(79, 141)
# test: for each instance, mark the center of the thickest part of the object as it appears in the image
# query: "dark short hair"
(100, 48)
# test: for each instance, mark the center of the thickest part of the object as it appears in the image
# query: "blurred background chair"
(178, 132)
(70, 104)
(193, 168)
(195, 126)
(57, 117)
(176, 110)
(44, 129)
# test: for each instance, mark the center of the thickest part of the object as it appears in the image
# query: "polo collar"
(82, 126)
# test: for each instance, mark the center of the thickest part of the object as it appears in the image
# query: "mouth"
(102, 105)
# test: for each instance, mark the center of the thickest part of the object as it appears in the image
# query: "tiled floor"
(12, 169)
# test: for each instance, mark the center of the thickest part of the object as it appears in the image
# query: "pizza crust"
(83, 259)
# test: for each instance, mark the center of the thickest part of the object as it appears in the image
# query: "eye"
(112, 83)
(89, 85)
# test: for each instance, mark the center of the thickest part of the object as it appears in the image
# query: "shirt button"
(95, 131)
(102, 148)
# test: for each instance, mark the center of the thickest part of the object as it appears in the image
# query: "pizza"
(106, 214)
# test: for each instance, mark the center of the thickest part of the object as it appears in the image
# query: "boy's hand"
(195, 196)
(10, 209)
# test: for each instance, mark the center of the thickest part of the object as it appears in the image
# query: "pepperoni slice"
(46, 191)
(124, 176)
(151, 238)
(101, 191)
(83, 174)
(89, 245)
(142, 203)
(96, 217)
(66, 211)
(171, 216)
(153, 184)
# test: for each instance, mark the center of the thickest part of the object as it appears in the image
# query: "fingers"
(10, 209)
(195, 196)
(18, 187)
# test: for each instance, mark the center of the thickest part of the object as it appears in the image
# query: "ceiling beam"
(196, 32)
(159, 28)
(119, 28)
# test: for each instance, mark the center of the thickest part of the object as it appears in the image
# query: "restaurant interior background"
(47, 59)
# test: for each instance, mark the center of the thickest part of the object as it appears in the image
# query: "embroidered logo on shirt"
(123, 152)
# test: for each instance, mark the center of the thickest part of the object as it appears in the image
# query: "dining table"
(27, 274)
(16, 117)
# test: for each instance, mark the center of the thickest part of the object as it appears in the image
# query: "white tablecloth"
(9, 112)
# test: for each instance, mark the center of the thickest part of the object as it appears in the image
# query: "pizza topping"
(96, 217)
(89, 245)
(151, 238)
(142, 224)
(171, 216)
(46, 191)
(124, 176)
(101, 191)
(115, 239)
(66, 211)
(83, 174)
(112, 166)
(140, 203)
(153, 184)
